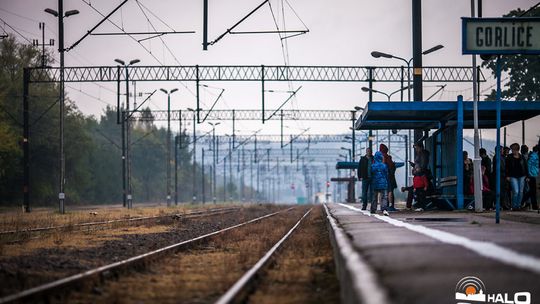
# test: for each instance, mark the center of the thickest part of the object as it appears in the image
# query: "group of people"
(518, 179)
(378, 175)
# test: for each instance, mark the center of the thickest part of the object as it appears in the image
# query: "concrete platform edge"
(358, 281)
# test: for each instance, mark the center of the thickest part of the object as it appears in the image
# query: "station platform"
(419, 257)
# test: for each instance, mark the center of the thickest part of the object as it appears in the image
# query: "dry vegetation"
(16, 219)
(51, 256)
(199, 275)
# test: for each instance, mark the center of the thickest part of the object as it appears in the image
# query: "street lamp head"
(120, 61)
(71, 13)
(380, 54)
(164, 91)
(366, 89)
(134, 61)
(359, 108)
(52, 12)
(433, 49)
(174, 90)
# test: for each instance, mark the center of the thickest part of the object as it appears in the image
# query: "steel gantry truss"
(318, 115)
(250, 73)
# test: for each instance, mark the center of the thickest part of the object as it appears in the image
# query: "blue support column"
(498, 146)
(459, 153)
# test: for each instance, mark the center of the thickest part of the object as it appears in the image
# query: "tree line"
(92, 145)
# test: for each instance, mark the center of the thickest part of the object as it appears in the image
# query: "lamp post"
(126, 159)
(168, 143)
(389, 96)
(214, 160)
(377, 54)
(60, 15)
(194, 140)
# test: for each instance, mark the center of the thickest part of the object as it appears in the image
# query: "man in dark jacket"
(364, 174)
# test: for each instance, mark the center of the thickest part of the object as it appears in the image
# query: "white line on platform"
(486, 249)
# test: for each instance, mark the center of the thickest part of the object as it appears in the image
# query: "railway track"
(43, 292)
(113, 223)
(243, 287)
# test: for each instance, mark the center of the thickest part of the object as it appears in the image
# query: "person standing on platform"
(516, 171)
(467, 173)
(392, 183)
(379, 180)
(505, 200)
(364, 173)
(532, 175)
(420, 186)
(486, 161)
(421, 157)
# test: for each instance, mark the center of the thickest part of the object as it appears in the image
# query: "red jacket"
(420, 182)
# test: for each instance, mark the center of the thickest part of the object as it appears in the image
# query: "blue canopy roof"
(429, 114)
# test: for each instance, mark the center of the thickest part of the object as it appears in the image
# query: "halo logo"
(472, 289)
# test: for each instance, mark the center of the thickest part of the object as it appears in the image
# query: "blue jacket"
(532, 164)
(379, 173)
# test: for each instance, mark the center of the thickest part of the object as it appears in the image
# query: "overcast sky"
(342, 32)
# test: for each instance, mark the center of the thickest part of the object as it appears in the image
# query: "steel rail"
(48, 287)
(87, 224)
(247, 278)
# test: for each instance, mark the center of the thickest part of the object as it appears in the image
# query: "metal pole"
(176, 139)
(370, 99)
(353, 114)
(61, 194)
(124, 181)
(214, 165)
(406, 160)
(128, 144)
(202, 176)
(477, 162)
(205, 25)
(194, 159)
(180, 144)
(230, 174)
(251, 177)
(25, 143)
(498, 146)
(262, 91)
(523, 132)
(168, 149)
(225, 178)
(417, 56)
(281, 119)
(233, 127)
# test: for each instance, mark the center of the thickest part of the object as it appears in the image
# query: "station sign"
(498, 36)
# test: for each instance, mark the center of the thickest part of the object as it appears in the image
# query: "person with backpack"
(379, 180)
(532, 175)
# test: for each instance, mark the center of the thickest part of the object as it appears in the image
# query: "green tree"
(523, 71)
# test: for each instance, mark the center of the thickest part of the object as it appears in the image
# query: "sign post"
(501, 36)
